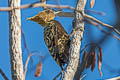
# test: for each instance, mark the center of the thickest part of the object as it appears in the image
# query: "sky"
(34, 37)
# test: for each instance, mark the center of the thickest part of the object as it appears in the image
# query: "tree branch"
(3, 74)
(61, 14)
(34, 5)
(26, 64)
(76, 42)
(15, 41)
(108, 33)
(115, 78)
(103, 24)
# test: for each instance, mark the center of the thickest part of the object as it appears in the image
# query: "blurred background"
(34, 37)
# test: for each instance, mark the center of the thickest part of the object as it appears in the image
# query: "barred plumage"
(55, 37)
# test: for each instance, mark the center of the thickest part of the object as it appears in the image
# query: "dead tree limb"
(15, 41)
(76, 42)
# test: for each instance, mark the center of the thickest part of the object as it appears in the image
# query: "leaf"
(84, 55)
(84, 58)
(93, 62)
(92, 2)
(101, 54)
(38, 69)
(89, 59)
(99, 65)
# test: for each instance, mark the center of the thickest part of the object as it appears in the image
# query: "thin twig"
(95, 24)
(60, 6)
(60, 73)
(3, 74)
(44, 1)
(35, 5)
(29, 56)
(25, 43)
(83, 76)
(89, 44)
(103, 24)
(95, 12)
(115, 78)
(65, 14)
(26, 64)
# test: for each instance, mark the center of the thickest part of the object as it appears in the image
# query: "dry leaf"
(84, 55)
(100, 50)
(93, 62)
(99, 65)
(84, 58)
(92, 2)
(89, 59)
(38, 70)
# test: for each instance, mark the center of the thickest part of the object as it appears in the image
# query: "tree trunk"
(76, 42)
(15, 41)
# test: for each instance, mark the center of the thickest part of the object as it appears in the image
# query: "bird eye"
(48, 11)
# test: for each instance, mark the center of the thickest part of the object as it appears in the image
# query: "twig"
(95, 12)
(75, 42)
(35, 5)
(89, 44)
(115, 78)
(65, 14)
(60, 73)
(44, 2)
(60, 6)
(26, 64)
(3, 74)
(28, 51)
(25, 43)
(83, 76)
(103, 24)
(62, 14)
(29, 56)
(95, 24)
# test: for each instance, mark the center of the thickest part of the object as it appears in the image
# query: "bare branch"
(115, 78)
(103, 24)
(25, 43)
(95, 12)
(60, 73)
(27, 61)
(44, 1)
(76, 42)
(65, 14)
(95, 24)
(35, 5)
(62, 14)
(3, 74)
(26, 64)
(83, 76)
(15, 41)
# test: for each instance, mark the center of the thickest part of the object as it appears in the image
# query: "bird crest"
(44, 17)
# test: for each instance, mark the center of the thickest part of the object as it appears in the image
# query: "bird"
(55, 37)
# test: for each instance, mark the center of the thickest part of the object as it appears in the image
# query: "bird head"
(44, 17)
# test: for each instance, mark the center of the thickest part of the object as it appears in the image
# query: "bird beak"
(57, 12)
(29, 18)
(34, 18)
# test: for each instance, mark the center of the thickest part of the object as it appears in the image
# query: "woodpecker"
(55, 37)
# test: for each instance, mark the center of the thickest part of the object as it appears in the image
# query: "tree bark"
(76, 42)
(15, 41)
